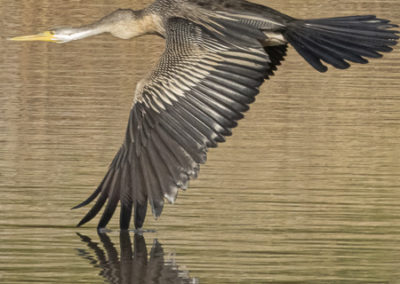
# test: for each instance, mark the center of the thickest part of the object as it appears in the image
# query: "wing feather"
(113, 198)
(192, 99)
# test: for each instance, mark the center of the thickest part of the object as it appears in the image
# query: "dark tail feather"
(140, 214)
(338, 40)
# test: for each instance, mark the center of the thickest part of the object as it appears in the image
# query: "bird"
(217, 55)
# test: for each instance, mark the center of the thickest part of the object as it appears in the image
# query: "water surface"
(307, 189)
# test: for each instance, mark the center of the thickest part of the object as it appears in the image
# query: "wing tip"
(171, 197)
(90, 198)
(80, 224)
(79, 206)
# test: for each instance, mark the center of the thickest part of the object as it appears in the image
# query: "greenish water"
(306, 190)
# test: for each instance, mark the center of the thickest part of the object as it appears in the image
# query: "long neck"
(89, 30)
(126, 23)
(123, 24)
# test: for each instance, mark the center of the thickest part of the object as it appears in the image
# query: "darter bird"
(217, 54)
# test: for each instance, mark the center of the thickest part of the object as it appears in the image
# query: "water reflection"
(133, 266)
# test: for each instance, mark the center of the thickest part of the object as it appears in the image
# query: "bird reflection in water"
(134, 266)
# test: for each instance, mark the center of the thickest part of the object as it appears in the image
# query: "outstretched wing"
(196, 94)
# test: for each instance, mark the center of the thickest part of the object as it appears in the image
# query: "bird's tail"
(338, 40)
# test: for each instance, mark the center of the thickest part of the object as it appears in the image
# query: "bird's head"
(122, 23)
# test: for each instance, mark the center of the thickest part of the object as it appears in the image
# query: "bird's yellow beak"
(45, 36)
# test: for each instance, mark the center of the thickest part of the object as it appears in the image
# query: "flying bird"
(217, 54)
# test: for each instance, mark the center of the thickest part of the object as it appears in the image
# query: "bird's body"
(218, 53)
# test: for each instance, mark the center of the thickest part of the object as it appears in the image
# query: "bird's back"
(244, 12)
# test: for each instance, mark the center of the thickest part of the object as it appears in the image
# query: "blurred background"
(306, 190)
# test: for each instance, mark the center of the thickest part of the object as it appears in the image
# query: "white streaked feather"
(158, 102)
(161, 96)
(249, 17)
(246, 55)
(187, 80)
(171, 197)
(149, 104)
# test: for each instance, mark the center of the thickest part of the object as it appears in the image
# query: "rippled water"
(307, 189)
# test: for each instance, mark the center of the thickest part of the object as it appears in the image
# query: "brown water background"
(306, 190)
